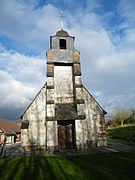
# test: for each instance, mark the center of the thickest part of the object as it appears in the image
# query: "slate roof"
(9, 127)
(62, 33)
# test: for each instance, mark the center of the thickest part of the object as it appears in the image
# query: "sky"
(104, 33)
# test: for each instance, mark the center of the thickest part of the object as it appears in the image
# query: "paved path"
(119, 145)
(114, 145)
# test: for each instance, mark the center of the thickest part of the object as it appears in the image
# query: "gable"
(37, 104)
(92, 99)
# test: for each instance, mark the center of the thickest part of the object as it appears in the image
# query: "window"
(62, 43)
(17, 137)
(8, 139)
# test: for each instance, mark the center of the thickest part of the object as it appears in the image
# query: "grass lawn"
(97, 166)
(127, 132)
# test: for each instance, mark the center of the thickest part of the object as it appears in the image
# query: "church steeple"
(62, 33)
(62, 45)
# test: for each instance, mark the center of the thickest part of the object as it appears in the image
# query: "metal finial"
(61, 20)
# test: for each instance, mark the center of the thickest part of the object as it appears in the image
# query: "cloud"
(94, 5)
(14, 96)
(21, 77)
(126, 10)
(27, 69)
(13, 92)
(107, 51)
(28, 24)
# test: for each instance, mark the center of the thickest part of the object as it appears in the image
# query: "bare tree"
(132, 111)
(121, 115)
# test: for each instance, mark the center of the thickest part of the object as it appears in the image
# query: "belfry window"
(62, 43)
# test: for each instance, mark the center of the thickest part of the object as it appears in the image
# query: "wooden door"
(69, 138)
(65, 138)
(61, 137)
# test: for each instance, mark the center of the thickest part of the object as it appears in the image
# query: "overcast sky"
(104, 33)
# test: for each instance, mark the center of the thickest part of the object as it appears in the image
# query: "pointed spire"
(61, 20)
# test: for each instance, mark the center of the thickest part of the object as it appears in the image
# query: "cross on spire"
(61, 12)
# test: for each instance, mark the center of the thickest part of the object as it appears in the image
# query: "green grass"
(127, 132)
(98, 166)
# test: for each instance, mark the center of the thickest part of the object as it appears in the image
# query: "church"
(63, 115)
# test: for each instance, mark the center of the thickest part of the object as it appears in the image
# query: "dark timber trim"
(78, 85)
(49, 87)
(25, 124)
(76, 62)
(80, 117)
(50, 119)
(77, 74)
(50, 62)
(80, 101)
(50, 74)
(50, 102)
(62, 64)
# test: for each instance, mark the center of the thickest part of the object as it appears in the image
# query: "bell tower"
(64, 82)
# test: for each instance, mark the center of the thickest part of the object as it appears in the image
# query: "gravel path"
(113, 145)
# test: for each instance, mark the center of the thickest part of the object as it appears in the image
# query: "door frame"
(67, 122)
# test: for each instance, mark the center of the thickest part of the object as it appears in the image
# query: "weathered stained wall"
(63, 55)
(35, 114)
(89, 131)
(63, 84)
(52, 136)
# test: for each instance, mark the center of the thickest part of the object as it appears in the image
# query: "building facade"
(63, 115)
(11, 131)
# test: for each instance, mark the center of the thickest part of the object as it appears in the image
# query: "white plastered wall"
(35, 114)
(63, 84)
(52, 139)
(87, 130)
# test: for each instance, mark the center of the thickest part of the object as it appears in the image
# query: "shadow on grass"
(126, 133)
(107, 166)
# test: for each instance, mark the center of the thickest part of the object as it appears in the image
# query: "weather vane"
(61, 12)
